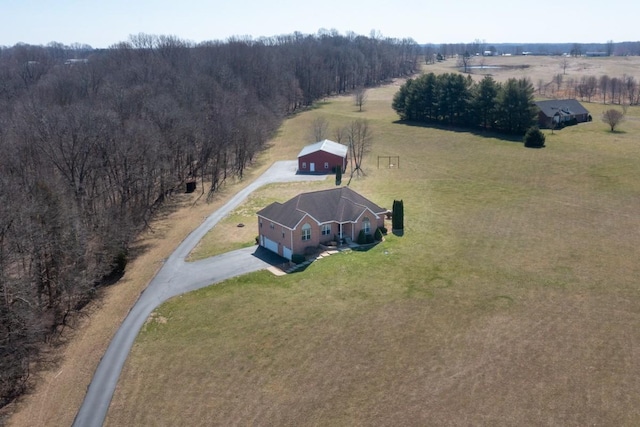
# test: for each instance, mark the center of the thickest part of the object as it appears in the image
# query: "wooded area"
(93, 141)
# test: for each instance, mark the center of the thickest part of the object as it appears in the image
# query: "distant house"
(561, 112)
(322, 157)
(310, 219)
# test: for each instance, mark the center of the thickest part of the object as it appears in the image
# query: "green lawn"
(511, 299)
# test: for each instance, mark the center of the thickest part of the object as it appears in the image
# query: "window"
(304, 165)
(306, 232)
(366, 225)
(271, 226)
(260, 223)
(326, 229)
(282, 233)
(326, 165)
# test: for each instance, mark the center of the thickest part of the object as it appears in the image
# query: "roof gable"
(335, 205)
(327, 146)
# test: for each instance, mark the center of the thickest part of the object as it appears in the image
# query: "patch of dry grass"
(228, 235)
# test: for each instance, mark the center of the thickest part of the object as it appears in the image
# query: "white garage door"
(271, 245)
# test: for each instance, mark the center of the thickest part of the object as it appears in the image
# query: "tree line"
(433, 52)
(93, 142)
(623, 90)
(455, 100)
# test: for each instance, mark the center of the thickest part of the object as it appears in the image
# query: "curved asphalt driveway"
(174, 278)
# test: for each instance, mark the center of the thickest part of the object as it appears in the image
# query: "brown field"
(512, 298)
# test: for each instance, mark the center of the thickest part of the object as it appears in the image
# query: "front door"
(312, 167)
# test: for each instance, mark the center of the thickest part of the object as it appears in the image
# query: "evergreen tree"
(397, 219)
(453, 98)
(534, 138)
(484, 102)
(400, 100)
(423, 98)
(378, 234)
(516, 109)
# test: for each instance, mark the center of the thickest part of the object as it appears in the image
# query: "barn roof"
(561, 106)
(334, 205)
(326, 146)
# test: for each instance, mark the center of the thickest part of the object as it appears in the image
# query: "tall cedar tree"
(516, 108)
(397, 218)
(484, 102)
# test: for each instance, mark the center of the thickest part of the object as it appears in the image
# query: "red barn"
(322, 157)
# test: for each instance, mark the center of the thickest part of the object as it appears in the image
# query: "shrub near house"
(310, 219)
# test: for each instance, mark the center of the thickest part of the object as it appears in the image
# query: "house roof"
(335, 205)
(327, 146)
(562, 106)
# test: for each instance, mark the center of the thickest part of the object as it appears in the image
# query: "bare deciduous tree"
(340, 134)
(360, 97)
(613, 118)
(360, 139)
(319, 129)
(604, 87)
(564, 63)
(464, 60)
(558, 81)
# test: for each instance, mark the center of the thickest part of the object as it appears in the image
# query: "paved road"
(174, 278)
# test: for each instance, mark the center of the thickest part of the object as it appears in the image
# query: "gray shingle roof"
(335, 205)
(562, 106)
(325, 145)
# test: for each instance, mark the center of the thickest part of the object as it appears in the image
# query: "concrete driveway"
(174, 278)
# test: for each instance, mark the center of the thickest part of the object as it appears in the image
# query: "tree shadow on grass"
(472, 131)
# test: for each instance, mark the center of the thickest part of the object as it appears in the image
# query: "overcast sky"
(105, 22)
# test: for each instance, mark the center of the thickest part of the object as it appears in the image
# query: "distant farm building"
(561, 112)
(322, 157)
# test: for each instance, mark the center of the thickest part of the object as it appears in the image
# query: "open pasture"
(511, 299)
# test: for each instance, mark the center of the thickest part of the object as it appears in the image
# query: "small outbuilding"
(561, 112)
(323, 157)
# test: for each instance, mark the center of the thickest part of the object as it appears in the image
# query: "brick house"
(322, 157)
(310, 219)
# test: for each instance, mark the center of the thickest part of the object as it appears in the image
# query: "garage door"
(271, 245)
